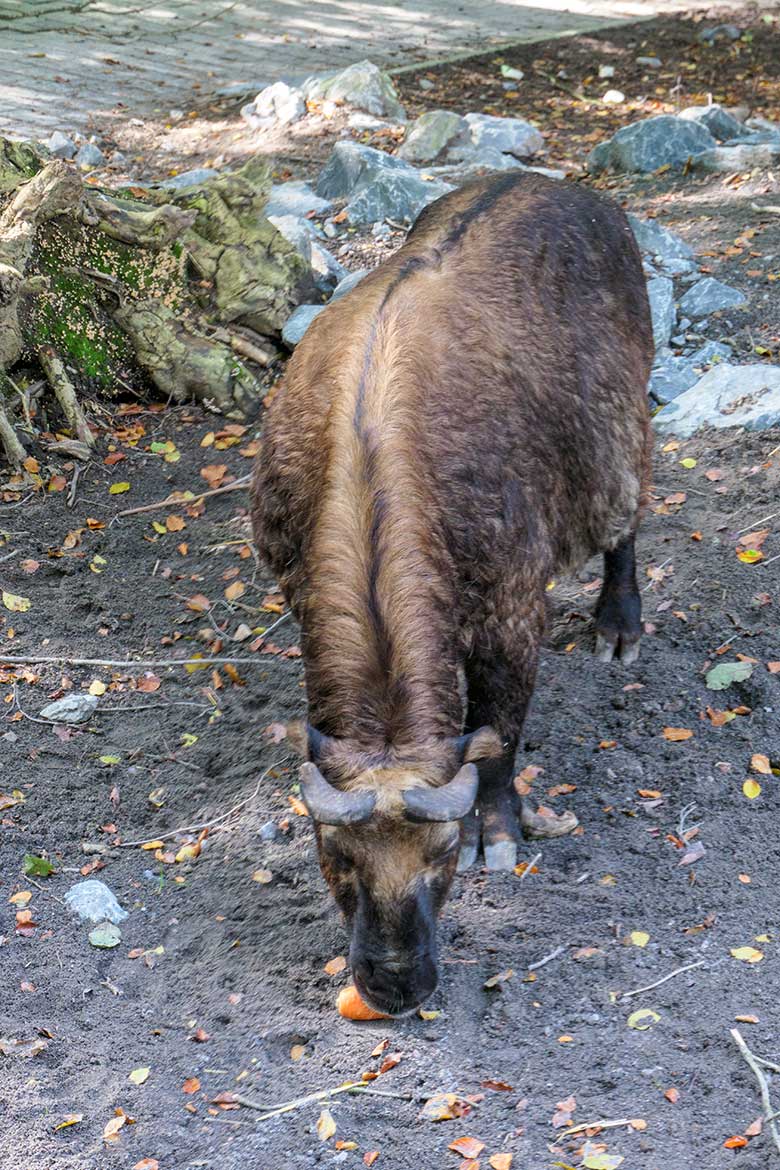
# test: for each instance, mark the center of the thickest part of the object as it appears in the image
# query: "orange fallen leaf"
(467, 1147)
(677, 734)
(370, 1157)
(500, 1161)
(672, 1095)
(147, 1164)
(755, 1127)
(335, 966)
(746, 1019)
(760, 763)
(148, 683)
(191, 1085)
(735, 1143)
(235, 590)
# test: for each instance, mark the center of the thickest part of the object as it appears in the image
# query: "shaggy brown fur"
(468, 422)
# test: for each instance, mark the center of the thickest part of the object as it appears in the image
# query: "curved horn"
(451, 802)
(330, 806)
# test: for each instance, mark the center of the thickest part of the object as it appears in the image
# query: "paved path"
(62, 60)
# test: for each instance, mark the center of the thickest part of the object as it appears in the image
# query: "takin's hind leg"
(618, 614)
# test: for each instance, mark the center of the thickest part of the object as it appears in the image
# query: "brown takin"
(466, 423)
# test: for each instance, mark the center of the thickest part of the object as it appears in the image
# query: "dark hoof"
(501, 855)
(611, 646)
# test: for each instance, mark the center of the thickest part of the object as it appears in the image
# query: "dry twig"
(170, 502)
(754, 1063)
(198, 828)
(664, 979)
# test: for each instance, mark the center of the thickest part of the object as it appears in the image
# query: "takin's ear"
(307, 743)
(485, 744)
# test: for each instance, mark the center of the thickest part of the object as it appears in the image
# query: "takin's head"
(388, 835)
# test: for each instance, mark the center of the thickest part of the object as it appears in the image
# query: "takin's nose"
(395, 990)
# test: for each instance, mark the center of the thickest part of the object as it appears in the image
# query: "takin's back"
(493, 372)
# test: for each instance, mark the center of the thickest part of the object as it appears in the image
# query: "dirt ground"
(218, 986)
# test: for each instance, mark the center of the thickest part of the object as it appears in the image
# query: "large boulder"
(295, 198)
(430, 134)
(484, 132)
(652, 143)
(277, 104)
(363, 86)
(376, 185)
(660, 292)
(709, 296)
(298, 322)
(658, 242)
(727, 396)
(746, 156)
(718, 121)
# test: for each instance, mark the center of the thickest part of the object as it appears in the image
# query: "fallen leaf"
(467, 1147)
(297, 1051)
(15, 603)
(639, 938)
(200, 1036)
(443, 1107)
(111, 1131)
(688, 463)
(500, 1161)
(672, 1095)
(760, 763)
(642, 1019)
(335, 966)
(96, 687)
(326, 1126)
(677, 734)
(148, 683)
(139, 1076)
(69, 1119)
(735, 1143)
(495, 980)
(747, 954)
(750, 556)
(370, 1157)
(726, 673)
(235, 590)
(37, 866)
(424, 1014)
(751, 789)
(594, 1158)
(191, 1085)
(746, 1019)
(263, 876)
(117, 489)
(147, 1164)
(755, 1127)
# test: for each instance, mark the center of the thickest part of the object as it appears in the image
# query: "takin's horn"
(451, 802)
(328, 805)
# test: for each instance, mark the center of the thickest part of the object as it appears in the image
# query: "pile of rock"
(703, 138)
(363, 86)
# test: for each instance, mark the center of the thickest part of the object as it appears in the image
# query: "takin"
(466, 423)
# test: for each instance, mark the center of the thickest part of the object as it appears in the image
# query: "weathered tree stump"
(143, 288)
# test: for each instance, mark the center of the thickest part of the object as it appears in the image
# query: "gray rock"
(606, 71)
(90, 156)
(708, 296)
(670, 377)
(709, 354)
(721, 32)
(484, 131)
(719, 123)
(298, 322)
(326, 268)
(192, 178)
(363, 86)
(74, 708)
(94, 902)
(658, 241)
(430, 134)
(650, 62)
(295, 198)
(425, 84)
(675, 267)
(60, 146)
(660, 291)
(727, 396)
(377, 185)
(744, 157)
(654, 142)
(614, 97)
(763, 126)
(348, 283)
(277, 104)
(296, 231)
(269, 831)
(239, 89)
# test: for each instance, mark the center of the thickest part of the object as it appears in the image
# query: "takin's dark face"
(390, 879)
(388, 835)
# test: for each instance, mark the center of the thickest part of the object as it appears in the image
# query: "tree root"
(65, 391)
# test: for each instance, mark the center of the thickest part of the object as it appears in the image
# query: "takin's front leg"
(619, 608)
(500, 681)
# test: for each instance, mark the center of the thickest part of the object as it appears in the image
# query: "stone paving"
(73, 64)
